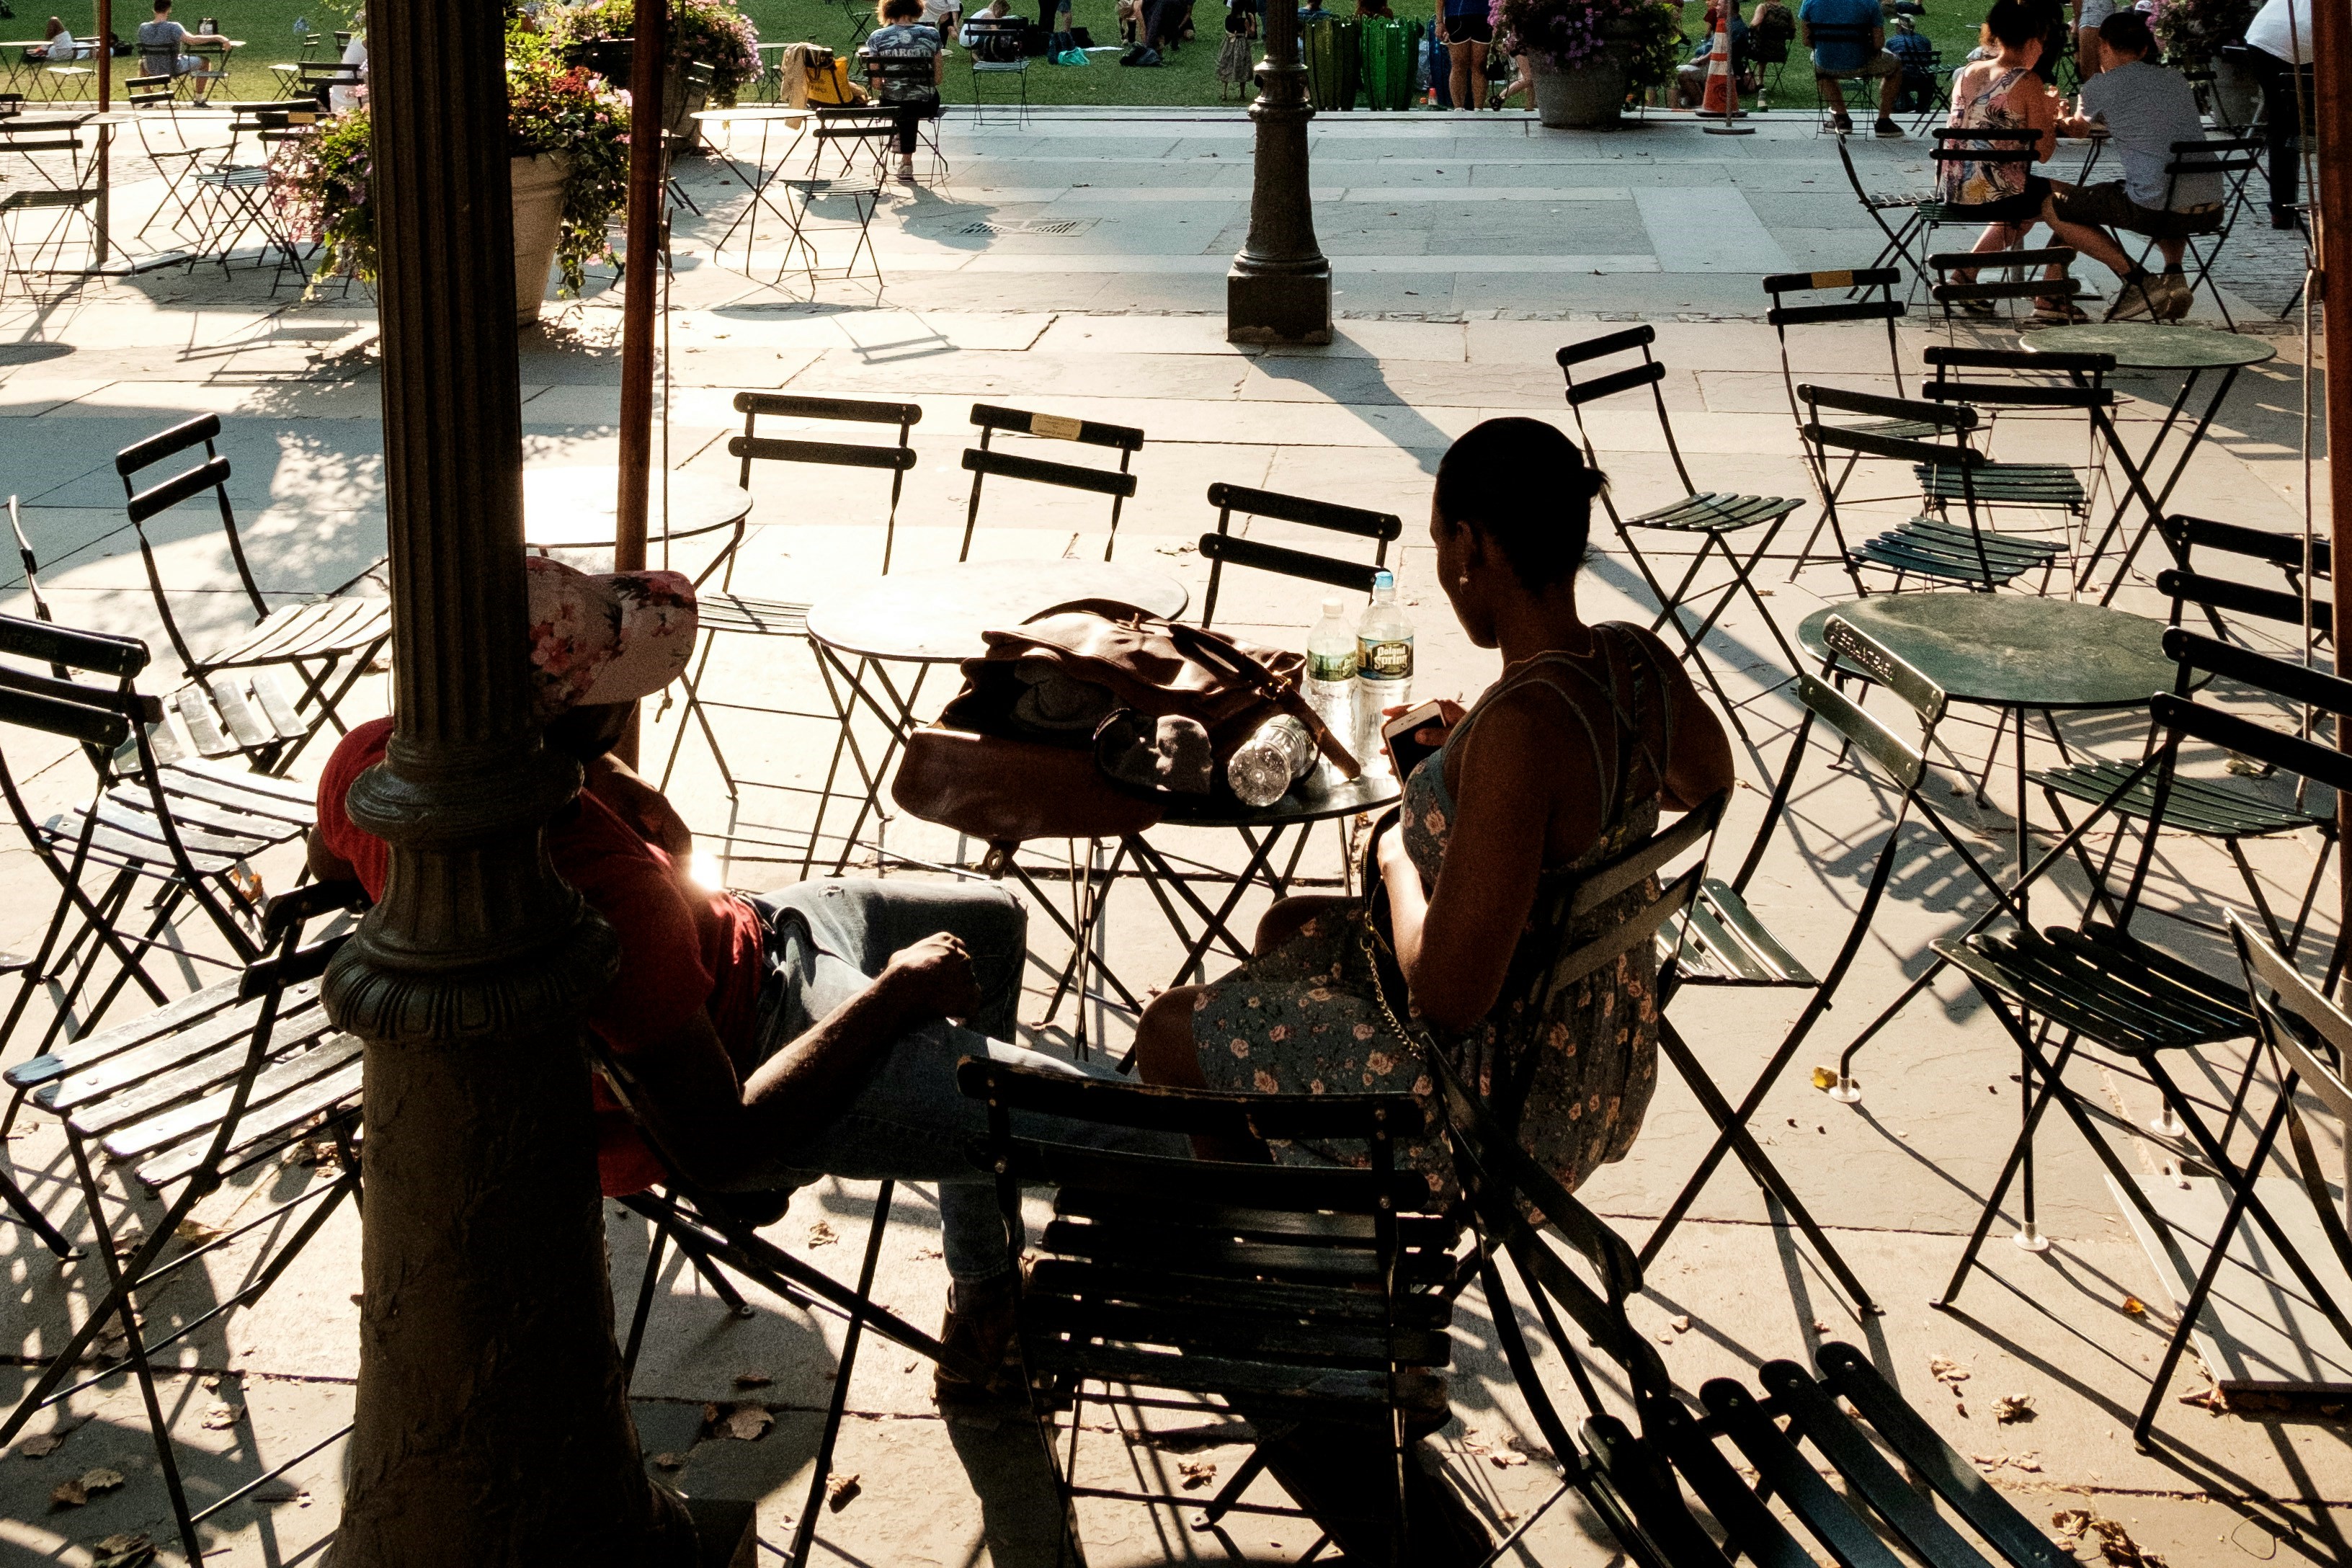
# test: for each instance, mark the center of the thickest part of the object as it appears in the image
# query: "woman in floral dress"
(1566, 760)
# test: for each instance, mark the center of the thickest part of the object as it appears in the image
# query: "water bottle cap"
(1383, 581)
(1334, 606)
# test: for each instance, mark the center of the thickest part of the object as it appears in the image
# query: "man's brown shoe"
(978, 1331)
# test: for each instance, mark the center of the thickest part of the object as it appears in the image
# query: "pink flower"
(1365, 1031)
(1240, 1049)
(1279, 1033)
(1266, 1082)
(1379, 1062)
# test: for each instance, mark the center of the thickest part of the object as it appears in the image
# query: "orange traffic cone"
(1718, 68)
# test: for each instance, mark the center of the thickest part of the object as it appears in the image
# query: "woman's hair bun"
(1526, 486)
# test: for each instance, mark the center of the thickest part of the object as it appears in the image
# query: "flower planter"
(538, 223)
(1585, 97)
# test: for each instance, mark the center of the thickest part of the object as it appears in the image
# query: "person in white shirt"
(58, 46)
(2278, 40)
(341, 99)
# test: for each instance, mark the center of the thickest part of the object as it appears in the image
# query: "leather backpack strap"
(1219, 653)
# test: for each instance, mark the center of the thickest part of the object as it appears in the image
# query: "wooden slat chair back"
(1293, 1293)
(986, 459)
(1711, 518)
(725, 612)
(191, 1096)
(1931, 545)
(2310, 580)
(2032, 485)
(189, 825)
(1578, 1275)
(325, 644)
(722, 1230)
(2229, 811)
(2099, 988)
(1221, 548)
(851, 130)
(2024, 275)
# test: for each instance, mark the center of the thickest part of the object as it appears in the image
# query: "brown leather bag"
(980, 772)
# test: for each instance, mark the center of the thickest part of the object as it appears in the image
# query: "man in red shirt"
(776, 1039)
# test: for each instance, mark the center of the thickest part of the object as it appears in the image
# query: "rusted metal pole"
(103, 245)
(2331, 36)
(639, 300)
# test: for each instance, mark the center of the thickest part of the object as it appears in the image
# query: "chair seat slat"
(2199, 805)
(1147, 1285)
(200, 1060)
(313, 1098)
(1814, 1414)
(282, 1077)
(69, 1058)
(1208, 1326)
(118, 1071)
(1325, 1390)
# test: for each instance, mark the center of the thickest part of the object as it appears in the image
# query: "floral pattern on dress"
(1305, 1018)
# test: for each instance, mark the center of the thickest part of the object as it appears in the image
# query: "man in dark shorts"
(2145, 109)
(1862, 56)
(770, 1040)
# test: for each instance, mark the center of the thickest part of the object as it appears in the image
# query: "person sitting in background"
(58, 45)
(1861, 56)
(2001, 93)
(2145, 109)
(1918, 57)
(942, 16)
(342, 100)
(910, 90)
(162, 45)
(1769, 30)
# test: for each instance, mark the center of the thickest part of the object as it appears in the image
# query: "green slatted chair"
(2229, 811)
(1928, 546)
(2101, 989)
(1707, 520)
(2185, 585)
(1641, 1485)
(2029, 487)
(2024, 276)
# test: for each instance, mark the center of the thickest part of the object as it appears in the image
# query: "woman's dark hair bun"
(1527, 487)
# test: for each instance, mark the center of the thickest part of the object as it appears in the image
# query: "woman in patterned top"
(1566, 760)
(2002, 93)
(905, 61)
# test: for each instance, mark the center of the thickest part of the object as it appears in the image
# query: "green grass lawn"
(1189, 78)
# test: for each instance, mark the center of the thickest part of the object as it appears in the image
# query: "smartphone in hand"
(1401, 735)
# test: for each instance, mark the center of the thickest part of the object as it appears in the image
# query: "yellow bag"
(830, 84)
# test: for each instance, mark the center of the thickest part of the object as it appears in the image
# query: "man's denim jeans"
(908, 1121)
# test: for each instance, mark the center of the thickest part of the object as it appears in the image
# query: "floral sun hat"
(613, 637)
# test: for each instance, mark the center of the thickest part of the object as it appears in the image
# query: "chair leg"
(804, 1534)
(656, 1243)
(15, 1199)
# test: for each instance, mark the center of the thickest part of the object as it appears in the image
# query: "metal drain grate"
(1029, 226)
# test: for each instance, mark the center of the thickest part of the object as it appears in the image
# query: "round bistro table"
(2015, 654)
(2146, 345)
(575, 506)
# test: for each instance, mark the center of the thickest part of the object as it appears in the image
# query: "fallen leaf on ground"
(744, 1423)
(41, 1445)
(221, 1418)
(1681, 1322)
(127, 1551)
(2013, 1407)
(1504, 1458)
(1945, 1370)
(822, 1234)
(75, 1492)
(1961, 1406)
(2134, 1306)
(1824, 1078)
(670, 1461)
(2211, 1399)
(2115, 1544)
(1665, 1336)
(929, 1252)
(840, 1491)
(196, 1230)
(1197, 1473)
(2026, 1462)
(755, 1379)
(1821, 1328)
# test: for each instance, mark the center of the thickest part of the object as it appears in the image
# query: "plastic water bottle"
(1332, 667)
(1271, 761)
(1383, 652)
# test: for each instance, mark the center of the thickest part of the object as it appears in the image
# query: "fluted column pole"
(492, 1420)
(1279, 290)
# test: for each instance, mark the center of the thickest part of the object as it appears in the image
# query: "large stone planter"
(538, 221)
(2237, 91)
(1586, 96)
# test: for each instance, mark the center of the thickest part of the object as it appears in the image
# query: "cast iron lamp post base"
(1280, 291)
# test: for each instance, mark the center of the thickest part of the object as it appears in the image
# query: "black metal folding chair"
(2101, 988)
(1710, 518)
(714, 1229)
(1909, 213)
(2024, 276)
(63, 204)
(1635, 1484)
(2019, 385)
(2232, 160)
(1722, 942)
(983, 461)
(2305, 600)
(863, 194)
(327, 644)
(2306, 1038)
(2225, 811)
(883, 75)
(725, 612)
(183, 826)
(1296, 1295)
(191, 1096)
(1928, 545)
